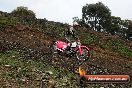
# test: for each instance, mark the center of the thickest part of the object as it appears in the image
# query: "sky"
(64, 10)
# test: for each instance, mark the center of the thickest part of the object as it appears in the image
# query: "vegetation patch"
(28, 73)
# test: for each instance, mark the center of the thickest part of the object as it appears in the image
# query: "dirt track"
(35, 43)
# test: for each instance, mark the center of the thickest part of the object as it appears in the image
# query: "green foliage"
(6, 58)
(115, 25)
(25, 73)
(129, 31)
(8, 21)
(23, 13)
(88, 40)
(125, 50)
(118, 46)
(55, 29)
(104, 46)
(97, 16)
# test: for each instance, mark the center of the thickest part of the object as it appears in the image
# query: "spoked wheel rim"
(85, 56)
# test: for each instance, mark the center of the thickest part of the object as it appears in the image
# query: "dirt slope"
(35, 43)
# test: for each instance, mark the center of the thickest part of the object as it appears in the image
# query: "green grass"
(116, 46)
(119, 46)
(8, 20)
(25, 73)
(88, 39)
(15, 70)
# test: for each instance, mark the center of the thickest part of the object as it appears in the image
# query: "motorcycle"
(75, 48)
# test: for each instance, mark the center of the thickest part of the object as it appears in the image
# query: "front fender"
(85, 47)
(81, 52)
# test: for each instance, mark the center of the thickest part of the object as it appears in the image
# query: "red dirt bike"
(81, 52)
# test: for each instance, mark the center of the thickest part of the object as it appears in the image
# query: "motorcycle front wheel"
(85, 55)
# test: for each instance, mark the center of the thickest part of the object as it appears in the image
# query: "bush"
(23, 13)
(8, 21)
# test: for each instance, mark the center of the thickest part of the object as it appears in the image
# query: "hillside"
(25, 47)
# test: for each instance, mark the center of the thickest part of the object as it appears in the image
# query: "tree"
(97, 16)
(23, 13)
(115, 25)
(80, 22)
(127, 25)
(129, 31)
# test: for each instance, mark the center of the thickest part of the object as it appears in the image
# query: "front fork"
(80, 50)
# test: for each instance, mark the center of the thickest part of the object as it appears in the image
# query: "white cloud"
(65, 10)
